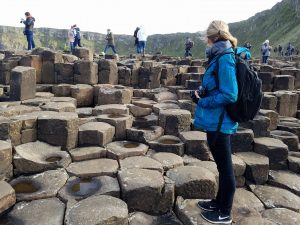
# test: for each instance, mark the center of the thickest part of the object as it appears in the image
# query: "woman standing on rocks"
(28, 31)
(211, 116)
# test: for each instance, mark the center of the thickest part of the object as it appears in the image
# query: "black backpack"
(249, 91)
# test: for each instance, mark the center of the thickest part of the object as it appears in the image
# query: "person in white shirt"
(142, 37)
(71, 37)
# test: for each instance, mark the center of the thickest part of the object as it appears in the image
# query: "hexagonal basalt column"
(59, 129)
(168, 143)
(120, 122)
(174, 121)
(96, 133)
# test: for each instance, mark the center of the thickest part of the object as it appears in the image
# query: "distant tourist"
(28, 31)
(136, 41)
(293, 50)
(71, 37)
(266, 51)
(275, 49)
(247, 45)
(110, 42)
(243, 52)
(142, 36)
(289, 49)
(77, 40)
(189, 44)
(297, 51)
(280, 52)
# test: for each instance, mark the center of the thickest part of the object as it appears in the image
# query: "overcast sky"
(122, 16)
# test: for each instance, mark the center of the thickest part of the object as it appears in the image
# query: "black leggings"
(220, 148)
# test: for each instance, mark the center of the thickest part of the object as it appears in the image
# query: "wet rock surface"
(39, 186)
(38, 156)
(77, 189)
(111, 210)
(50, 211)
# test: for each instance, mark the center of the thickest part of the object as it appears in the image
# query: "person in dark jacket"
(28, 31)
(77, 40)
(280, 52)
(136, 41)
(211, 107)
(247, 45)
(189, 44)
(289, 49)
(110, 42)
(244, 53)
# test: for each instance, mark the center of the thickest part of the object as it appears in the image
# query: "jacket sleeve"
(28, 22)
(228, 89)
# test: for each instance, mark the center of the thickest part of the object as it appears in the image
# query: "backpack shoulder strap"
(216, 70)
(216, 74)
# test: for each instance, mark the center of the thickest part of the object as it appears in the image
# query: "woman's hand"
(195, 97)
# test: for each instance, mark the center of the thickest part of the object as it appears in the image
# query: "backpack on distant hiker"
(78, 34)
(249, 91)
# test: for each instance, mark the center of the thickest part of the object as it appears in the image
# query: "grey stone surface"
(257, 166)
(5, 157)
(123, 149)
(59, 129)
(49, 211)
(111, 211)
(286, 180)
(115, 109)
(242, 140)
(84, 95)
(85, 72)
(274, 197)
(120, 122)
(7, 196)
(77, 189)
(96, 133)
(83, 53)
(149, 185)
(140, 218)
(93, 168)
(39, 186)
(86, 153)
(22, 83)
(288, 138)
(144, 134)
(174, 121)
(195, 144)
(168, 143)
(193, 182)
(141, 162)
(168, 160)
(38, 156)
(274, 149)
(282, 216)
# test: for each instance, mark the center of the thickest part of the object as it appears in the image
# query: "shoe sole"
(205, 209)
(215, 222)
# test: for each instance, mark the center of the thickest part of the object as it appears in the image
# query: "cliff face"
(280, 25)
(169, 44)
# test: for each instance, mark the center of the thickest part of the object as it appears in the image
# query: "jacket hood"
(217, 48)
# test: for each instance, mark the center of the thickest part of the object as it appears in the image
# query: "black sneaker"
(208, 205)
(216, 217)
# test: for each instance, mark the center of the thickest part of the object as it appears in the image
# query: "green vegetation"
(280, 25)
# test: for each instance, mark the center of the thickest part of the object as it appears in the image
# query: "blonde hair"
(219, 30)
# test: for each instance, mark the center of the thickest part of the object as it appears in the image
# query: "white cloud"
(122, 16)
